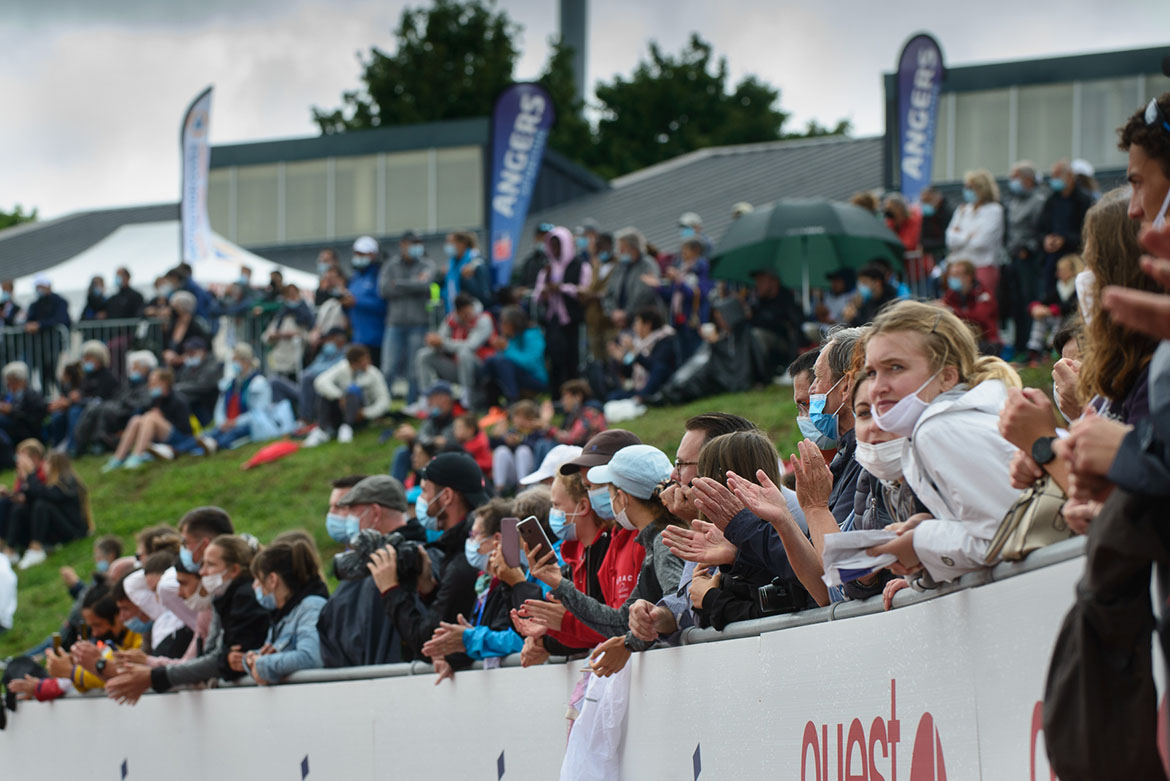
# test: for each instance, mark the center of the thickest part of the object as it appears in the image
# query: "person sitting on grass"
(15, 504)
(164, 429)
(583, 416)
(245, 411)
(350, 394)
(473, 441)
(60, 509)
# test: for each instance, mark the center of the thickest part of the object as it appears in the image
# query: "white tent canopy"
(148, 250)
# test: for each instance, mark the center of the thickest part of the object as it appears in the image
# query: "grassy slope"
(291, 493)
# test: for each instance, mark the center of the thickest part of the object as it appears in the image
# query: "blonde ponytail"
(990, 367)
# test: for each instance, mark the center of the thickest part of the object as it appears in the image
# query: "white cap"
(741, 208)
(637, 470)
(552, 463)
(1081, 167)
(42, 281)
(690, 219)
(366, 245)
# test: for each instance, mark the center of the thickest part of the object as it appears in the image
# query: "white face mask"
(1160, 220)
(198, 601)
(622, 519)
(883, 460)
(901, 418)
(214, 584)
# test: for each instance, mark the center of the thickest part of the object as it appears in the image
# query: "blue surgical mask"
(1056, 185)
(244, 282)
(422, 514)
(969, 195)
(625, 257)
(156, 393)
(360, 261)
(417, 250)
(119, 284)
(435, 412)
(322, 268)
(267, 601)
(865, 291)
(955, 284)
(582, 242)
(474, 557)
(604, 255)
(136, 378)
(329, 349)
(686, 232)
(928, 210)
(192, 360)
(166, 290)
(101, 565)
(1016, 186)
(433, 535)
(558, 521)
(824, 422)
(5, 296)
(449, 249)
(809, 431)
(187, 559)
(601, 503)
(353, 525)
(138, 626)
(89, 367)
(336, 527)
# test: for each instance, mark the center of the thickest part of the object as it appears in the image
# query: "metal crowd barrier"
(1045, 557)
(41, 350)
(121, 337)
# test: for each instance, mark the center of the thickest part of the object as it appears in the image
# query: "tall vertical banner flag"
(195, 232)
(920, 74)
(521, 121)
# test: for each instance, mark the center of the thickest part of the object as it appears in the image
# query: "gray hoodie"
(405, 283)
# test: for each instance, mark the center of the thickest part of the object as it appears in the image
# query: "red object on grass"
(270, 453)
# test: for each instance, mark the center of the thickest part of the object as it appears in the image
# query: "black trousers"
(14, 523)
(563, 350)
(52, 525)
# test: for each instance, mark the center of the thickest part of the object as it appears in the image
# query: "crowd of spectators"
(537, 529)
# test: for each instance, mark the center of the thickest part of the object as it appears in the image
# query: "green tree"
(449, 62)
(571, 135)
(16, 217)
(672, 105)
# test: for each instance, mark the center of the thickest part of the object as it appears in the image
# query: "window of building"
(981, 137)
(256, 204)
(460, 182)
(408, 192)
(1045, 123)
(355, 195)
(219, 184)
(305, 188)
(1105, 104)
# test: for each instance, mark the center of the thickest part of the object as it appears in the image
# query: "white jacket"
(333, 382)
(976, 234)
(7, 593)
(957, 464)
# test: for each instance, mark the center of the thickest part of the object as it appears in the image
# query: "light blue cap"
(636, 469)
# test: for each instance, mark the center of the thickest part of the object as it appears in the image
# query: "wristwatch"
(100, 666)
(1042, 451)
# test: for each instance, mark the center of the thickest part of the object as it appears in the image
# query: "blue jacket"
(527, 351)
(298, 647)
(367, 317)
(48, 311)
(492, 634)
(205, 304)
(478, 285)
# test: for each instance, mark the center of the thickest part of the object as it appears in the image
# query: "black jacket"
(65, 496)
(100, 384)
(415, 617)
(1065, 217)
(244, 620)
(354, 626)
(176, 411)
(27, 416)
(126, 304)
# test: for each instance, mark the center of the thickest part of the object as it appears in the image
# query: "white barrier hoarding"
(943, 689)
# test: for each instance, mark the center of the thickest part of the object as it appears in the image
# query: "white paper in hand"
(845, 558)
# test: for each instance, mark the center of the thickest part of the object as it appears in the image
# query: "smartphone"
(510, 541)
(533, 533)
(57, 641)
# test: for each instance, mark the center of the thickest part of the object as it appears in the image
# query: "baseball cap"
(41, 281)
(377, 489)
(689, 220)
(336, 331)
(195, 343)
(600, 449)
(440, 387)
(366, 245)
(551, 463)
(459, 472)
(1082, 167)
(637, 470)
(410, 236)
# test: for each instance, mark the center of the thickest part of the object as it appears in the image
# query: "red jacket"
(617, 575)
(480, 449)
(978, 307)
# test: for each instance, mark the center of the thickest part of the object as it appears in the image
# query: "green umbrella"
(801, 240)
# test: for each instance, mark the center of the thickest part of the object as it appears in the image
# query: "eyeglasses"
(679, 463)
(1155, 116)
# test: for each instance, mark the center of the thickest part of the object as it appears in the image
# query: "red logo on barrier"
(857, 751)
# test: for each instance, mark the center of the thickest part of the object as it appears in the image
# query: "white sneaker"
(209, 444)
(165, 452)
(32, 557)
(317, 436)
(345, 434)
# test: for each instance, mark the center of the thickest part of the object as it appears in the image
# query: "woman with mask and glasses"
(927, 383)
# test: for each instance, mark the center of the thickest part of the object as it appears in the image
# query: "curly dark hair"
(1153, 139)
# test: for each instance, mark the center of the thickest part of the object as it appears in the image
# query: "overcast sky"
(92, 91)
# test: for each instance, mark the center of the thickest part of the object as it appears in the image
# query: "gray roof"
(710, 181)
(35, 246)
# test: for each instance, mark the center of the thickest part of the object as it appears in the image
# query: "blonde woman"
(927, 383)
(976, 229)
(60, 510)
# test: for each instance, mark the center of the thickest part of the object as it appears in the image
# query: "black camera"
(778, 597)
(352, 564)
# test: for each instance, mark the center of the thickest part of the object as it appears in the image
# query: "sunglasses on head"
(1154, 115)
